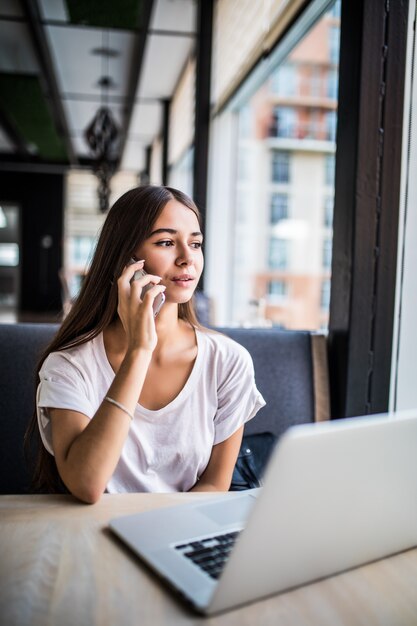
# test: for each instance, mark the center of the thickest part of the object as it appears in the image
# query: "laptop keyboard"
(210, 554)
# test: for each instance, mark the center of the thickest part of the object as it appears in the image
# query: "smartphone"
(160, 298)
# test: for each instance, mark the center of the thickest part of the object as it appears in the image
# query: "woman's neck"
(170, 329)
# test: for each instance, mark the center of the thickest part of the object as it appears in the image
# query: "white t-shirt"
(168, 449)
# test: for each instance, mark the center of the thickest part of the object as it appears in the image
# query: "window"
(279, 207)
(325, 294)
(81, 249)
(284, 80)
(327, 253)
(278, 253)
(9, 254)
(277, 289)
(243, 165)
(284, 122)
(245, 122)
(315, 81)
(332, 83)
(329, 164)
(336, 9)
(280, 166)
(328, 211)
(330, 120)
(285, 114)
(334, 36)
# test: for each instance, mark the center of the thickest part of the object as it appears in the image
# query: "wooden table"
(60, 565)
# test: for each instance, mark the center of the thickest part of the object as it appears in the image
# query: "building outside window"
(278, 253)
(279, 207)
(330, 121)
(325, 294)
(280, 166)
(315, 81)
(289, 121)
(332, 83)
(327, 253)
(329, 164)
(328, 211)
(284, 122)
(277, 290)
(334, 35)
(284, 80)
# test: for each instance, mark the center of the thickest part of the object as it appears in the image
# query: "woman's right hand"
(136, 315)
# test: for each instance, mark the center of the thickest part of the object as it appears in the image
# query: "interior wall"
(40, 197)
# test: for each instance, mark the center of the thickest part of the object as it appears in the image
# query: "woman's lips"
(183, 281)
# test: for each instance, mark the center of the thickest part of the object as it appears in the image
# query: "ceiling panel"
(146, 121)
(168, 54)
(79, 68)
(174, 15)
(134, 156)
(53, 10)
(16, 51)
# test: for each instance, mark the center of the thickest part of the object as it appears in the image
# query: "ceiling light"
(102, 135)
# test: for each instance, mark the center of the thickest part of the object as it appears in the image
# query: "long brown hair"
(128, 223)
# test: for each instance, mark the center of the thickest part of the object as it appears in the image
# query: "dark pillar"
(40, 198)
(202, 103)
(368, 169)
(165, 140)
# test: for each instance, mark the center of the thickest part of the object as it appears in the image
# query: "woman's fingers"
(150, 294)
(127, 275)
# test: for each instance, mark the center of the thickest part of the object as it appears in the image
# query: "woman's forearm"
(92, 456)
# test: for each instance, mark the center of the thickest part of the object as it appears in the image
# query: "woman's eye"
(164, 243)
(197, 244)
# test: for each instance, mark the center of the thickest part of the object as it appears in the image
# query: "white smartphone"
(160, 298)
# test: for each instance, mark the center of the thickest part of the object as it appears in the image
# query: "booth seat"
(290, 370)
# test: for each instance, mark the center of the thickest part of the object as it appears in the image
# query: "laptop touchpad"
(230, 511)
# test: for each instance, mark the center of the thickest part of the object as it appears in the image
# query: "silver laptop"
(336, 495)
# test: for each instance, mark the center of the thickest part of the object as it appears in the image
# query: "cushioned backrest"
(284, 375)
(20, 348)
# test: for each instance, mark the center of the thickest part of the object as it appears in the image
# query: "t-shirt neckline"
(185, 391)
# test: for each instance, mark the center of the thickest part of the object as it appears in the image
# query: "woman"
(130, 402)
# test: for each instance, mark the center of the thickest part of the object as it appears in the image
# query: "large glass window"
(282, 241)
(284, 80)
(329, 169)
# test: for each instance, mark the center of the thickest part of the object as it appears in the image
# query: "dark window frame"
(367, 200)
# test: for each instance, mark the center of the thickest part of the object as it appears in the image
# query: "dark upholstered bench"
(290, 370)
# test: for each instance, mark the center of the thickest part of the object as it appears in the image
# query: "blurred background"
(97, 97)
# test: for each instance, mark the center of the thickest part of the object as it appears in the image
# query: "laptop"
(335, 495)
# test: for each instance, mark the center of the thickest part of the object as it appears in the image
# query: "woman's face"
(174, 251)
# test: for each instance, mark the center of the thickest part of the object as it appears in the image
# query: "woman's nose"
(184, 257)
(184, 260)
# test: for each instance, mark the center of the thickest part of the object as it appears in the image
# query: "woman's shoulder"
(76, 356)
